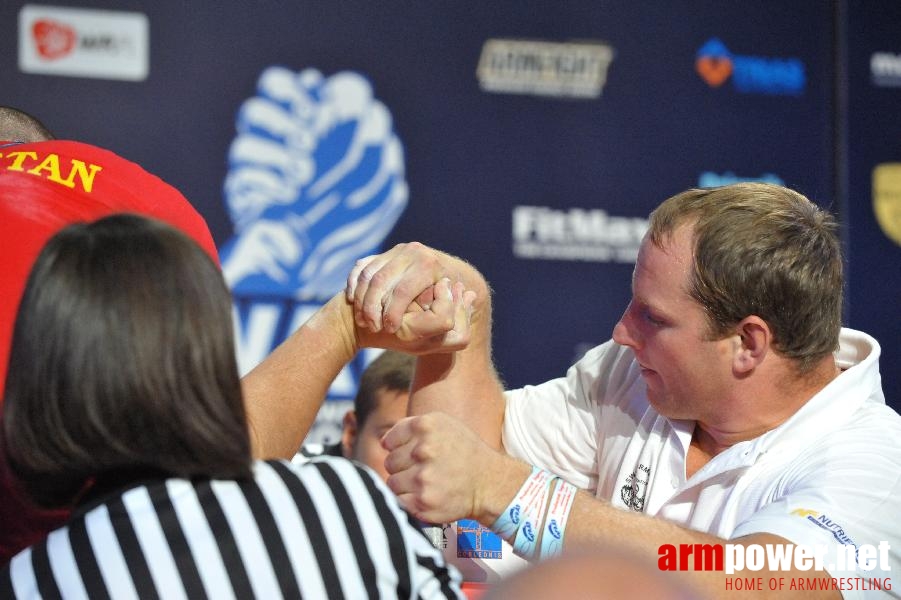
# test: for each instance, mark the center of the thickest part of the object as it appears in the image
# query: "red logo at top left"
(52, 39)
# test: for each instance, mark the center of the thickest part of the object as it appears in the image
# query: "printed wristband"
(508, 523)
(557, 517)
(526, 541)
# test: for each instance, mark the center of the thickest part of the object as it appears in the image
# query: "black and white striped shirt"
(326, 529)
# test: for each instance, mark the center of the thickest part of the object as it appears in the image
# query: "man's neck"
(773, 407)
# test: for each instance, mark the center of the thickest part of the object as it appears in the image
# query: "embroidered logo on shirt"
(636, 488)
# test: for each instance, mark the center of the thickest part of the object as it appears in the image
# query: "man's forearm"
(593, 523)
(464, 384)
(282, 395)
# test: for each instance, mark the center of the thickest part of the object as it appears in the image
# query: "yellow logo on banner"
(804, 512)
(887, 199)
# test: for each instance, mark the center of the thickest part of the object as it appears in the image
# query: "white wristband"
(508, 523)
(557, 517)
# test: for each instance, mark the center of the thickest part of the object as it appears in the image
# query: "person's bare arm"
(283, 393)
(441, 471)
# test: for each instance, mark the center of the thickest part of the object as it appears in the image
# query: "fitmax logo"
(749, 74)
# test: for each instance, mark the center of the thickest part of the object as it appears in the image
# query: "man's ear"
(752, 344)
(349, 434)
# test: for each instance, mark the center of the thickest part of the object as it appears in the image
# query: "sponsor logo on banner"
(885, 69)
(887, 199)
(315, 181)
(710, 179)
(716, 65)
(476, 541)
(564, 69)
(575, 234)
(82, 42)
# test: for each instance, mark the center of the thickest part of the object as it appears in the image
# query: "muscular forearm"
(283, 394)
(464, 383)
(594, 523)
(691, 555)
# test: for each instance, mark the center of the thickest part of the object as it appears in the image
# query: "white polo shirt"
(829, 475)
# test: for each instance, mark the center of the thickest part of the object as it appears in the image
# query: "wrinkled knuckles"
(423, 254)
(404, 290)
(421, 453)
(425, 423)
(420, 481)
(379, 278)
(392, 483)
(428, 501)
(366, 273)
(390, 466)
(371, 317)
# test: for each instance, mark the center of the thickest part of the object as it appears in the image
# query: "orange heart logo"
(53, 40)
(714, 69)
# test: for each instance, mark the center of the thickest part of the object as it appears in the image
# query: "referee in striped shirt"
(123, 401)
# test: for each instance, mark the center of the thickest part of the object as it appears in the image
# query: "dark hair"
(19, 126)
(762, 249)
(122, 357)
(391, 371)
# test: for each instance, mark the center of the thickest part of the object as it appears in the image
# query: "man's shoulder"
(873, 424)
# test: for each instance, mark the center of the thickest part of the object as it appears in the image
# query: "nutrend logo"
(749, 559)
(749, 74)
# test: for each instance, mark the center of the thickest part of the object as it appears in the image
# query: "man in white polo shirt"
(730, 418)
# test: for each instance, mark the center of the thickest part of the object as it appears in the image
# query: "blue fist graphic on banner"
(315, 182)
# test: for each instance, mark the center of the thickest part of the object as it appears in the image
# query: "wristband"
(526, 541)
(508, 523)
(558, 515)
